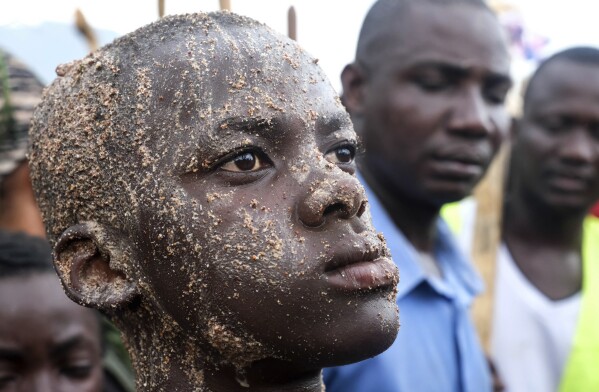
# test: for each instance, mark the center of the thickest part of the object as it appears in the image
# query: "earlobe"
(90, 262)
(353, 81)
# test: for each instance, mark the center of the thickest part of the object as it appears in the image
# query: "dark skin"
(431, 111)
(18, 210)
(429, 104)
(253, 239)
(47, 342)
(555, 177)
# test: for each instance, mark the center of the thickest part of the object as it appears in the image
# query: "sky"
(328, 29)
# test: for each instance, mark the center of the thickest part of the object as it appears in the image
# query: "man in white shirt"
(542, 301)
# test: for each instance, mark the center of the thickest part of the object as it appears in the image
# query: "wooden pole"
(160, 8)
(292, 23)
(487, 237)
(225, 5)
(487, 227)
(86, 30)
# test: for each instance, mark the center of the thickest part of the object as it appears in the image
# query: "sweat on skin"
(196, 178)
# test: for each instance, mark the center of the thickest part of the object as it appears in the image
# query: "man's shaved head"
(376, 32)
(555, 158)
(100, 108)
(417, 64)
(583, 55)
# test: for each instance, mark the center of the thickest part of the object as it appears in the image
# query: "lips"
(570, 181)
(357, 270)
(459, 164)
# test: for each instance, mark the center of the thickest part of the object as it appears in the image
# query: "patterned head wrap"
(20, 92)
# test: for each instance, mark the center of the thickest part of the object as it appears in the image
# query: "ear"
(92, 262)
(353, 81)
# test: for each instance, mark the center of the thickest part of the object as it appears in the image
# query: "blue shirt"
(437, 348)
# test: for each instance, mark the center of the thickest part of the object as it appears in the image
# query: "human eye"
(555, 124)
(594, 130)
(246, 161)
(431, 80)
(76, 370)
(6, 380)
(497, 94)
(342, 154)
(8, 375)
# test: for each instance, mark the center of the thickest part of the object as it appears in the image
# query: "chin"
(569, 208)
(439, 199)
(440, 193)
(568, 204)
(369, 333)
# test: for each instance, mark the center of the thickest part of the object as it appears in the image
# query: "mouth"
(569, 182)
(459, 165)
(357, 271)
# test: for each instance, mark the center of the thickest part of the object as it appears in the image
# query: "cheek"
(261, 272)
(93, 383)
(501, 122)
(535, 142)
(256, 247)
(97, 380)
(408, 116)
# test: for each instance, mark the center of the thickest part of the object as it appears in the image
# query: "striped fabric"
(20, 92)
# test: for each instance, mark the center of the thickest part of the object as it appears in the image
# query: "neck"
(536, 224)
(165, 358)
(416, 219)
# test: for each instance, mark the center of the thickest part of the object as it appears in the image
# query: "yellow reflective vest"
(581, 373)
(582, 369)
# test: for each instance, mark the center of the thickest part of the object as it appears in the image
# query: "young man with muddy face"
(426, 93)
(547, 290)
(197, 181)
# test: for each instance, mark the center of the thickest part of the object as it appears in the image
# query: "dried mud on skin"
(99, 156)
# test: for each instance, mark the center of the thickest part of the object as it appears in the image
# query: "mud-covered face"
(255, 235)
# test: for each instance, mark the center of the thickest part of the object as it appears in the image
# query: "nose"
(577, 147)
(470, 116)
(42, 382)
(341, 198)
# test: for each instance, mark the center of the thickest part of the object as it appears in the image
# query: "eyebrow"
(247, 124)
(333, 122)
(460, 71)
(12, 355)
(67, 345)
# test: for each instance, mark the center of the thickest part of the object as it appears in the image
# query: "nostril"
(336, 207)
(362, 209)
(339, 199)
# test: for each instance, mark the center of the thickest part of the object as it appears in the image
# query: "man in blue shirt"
(426, 93)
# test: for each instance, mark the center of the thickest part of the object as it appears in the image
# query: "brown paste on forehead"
(100, 149)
